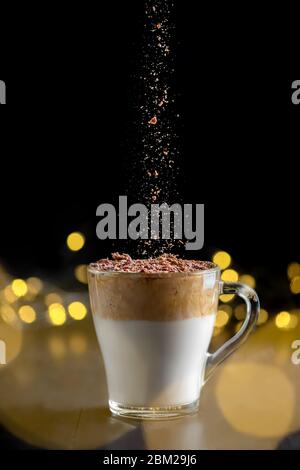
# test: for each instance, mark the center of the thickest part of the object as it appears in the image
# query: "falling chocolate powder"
(156, 159)
(153, 121)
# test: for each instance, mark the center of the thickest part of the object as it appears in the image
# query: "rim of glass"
(214, 269)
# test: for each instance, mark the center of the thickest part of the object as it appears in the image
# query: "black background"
(66, 130)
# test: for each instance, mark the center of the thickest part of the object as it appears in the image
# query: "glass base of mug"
(153, 412)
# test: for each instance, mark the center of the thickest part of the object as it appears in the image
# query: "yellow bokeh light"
(227, 297)
(248, 280)
(19, 287)
(8, 314)
(293, 270)
(283, 319)
(262, 317)
(222, 259)
(9, 296)
(216, 331)
(221, 319)
(53, 298)
(295, 285)
(57, 314)
(81, 273)
(240, 312)
(78, 344)
(293, 321)
(242, 386)
(27, 314)
(75, 241)
(77, 310)
(57, 347)
(34, 285)
(230, 275)
(227, 308)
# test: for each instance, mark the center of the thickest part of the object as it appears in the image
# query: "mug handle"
(252, 303)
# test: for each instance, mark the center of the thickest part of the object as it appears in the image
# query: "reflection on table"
(53, 393)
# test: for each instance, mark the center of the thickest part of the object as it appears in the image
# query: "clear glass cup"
(154, 331)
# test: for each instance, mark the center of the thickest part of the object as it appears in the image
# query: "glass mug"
(154, 331)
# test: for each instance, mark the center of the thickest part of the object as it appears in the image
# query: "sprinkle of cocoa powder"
(163, 263)
(153, 121)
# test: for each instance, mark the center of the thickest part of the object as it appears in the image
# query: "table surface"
(53, 395)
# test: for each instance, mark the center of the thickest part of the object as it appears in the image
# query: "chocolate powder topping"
(163, 263)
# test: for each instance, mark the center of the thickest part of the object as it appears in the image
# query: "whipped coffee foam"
(159, 289)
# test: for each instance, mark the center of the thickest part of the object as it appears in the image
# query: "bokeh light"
(78, 344)
(293, 321)
(27, 314)
(8, 314)
(75, 241)
(229, 275)
(35, 285)
(57, 314)
(240, 312)
(295, 285)
(227, 297)
(9, 295)
(248, 280)
(262, 317)
(282, 320)
(293, 270)
(221, 319)
(217, 331)
(222, 259)
(81, 273)
(77, 310)
(19, 287)
(241, 386)
(53, 298)
(57, 347)
(227, 308)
